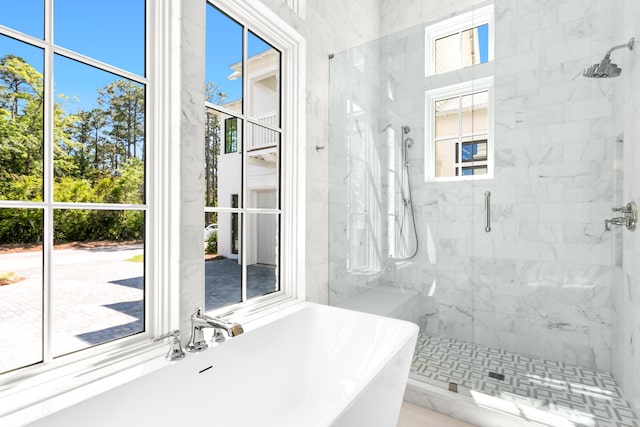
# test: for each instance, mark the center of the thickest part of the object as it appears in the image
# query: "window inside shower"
(458, 42)
(459, 131)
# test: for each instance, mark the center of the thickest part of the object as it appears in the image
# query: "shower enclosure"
(507, 267)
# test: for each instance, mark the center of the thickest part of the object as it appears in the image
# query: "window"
(459, 117)
(458, 42)
(234, 225)
(459, 127)
(243, 104)
(73, 200)
(231, 135)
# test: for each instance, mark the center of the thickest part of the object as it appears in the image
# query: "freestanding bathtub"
(313, 366)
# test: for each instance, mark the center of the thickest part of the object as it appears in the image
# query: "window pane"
(223, 60)
(475, 45)
(99, 135)
(475, 113)
(231, 135)
(263, 74)
(210, 234)
(262, 167)
(109, 31)
(26, 16)
(474, 151)
(223, 271)
(223, 159)
(447, 117)
(98, 277)
(474, 170)
(20, 287)
(448, 53)
(446, 156)
(21, 120)
(262, 255)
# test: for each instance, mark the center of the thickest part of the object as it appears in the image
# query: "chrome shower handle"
(624, 209)
(487, 208)
(629, 220)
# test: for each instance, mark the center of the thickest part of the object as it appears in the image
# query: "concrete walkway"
(98, 297)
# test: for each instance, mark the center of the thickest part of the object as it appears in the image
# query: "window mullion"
(244, 220)
(48, 133)
(459, 145)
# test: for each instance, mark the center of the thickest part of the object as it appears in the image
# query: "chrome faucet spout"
(201, 321)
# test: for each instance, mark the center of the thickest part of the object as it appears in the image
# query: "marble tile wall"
(356, 175)
(626, 321)
(541, 282)
(328, 27)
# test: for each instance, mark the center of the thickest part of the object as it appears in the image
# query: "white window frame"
(459, 89)
(267, 25)
(456, 24)
(22, 388)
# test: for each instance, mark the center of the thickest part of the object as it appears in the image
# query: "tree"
(124, 101)
(212, 149)
(21, 101)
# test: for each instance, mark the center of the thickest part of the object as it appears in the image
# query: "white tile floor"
(416, 416)
(564, 392)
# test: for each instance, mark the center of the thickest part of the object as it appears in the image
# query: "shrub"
(212, 243)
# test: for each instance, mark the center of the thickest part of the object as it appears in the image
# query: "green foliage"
(212, 243)
(20, 225)
(98, 157)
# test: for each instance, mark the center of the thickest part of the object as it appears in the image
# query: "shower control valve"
(629, 219)
(627, 209)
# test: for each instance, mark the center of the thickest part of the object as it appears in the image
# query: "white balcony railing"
(261, 137)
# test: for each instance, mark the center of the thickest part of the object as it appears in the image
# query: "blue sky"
(88, 28)
(224, 47)
(483, 41)
(110, 31)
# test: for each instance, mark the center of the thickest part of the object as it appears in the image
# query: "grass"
(137, 258)
(9, 278)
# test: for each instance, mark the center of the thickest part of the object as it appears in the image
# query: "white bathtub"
(315, 366)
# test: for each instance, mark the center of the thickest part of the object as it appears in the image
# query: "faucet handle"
(174, 333)
(175, 349)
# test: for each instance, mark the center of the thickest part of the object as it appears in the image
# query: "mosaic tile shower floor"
(578, 396)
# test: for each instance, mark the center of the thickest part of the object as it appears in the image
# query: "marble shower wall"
(540, 283)
(357, 241)
(626, 331)
(328, 27)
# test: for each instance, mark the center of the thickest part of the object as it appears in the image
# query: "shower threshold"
(538, 391)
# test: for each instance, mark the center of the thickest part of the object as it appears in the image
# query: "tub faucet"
(200, 321)
(175, 350)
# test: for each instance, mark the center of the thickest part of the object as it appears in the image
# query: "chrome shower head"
(606, 68)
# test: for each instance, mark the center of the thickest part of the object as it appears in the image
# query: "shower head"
(606, 68)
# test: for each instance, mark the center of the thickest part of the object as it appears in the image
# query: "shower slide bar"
(487, 208)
